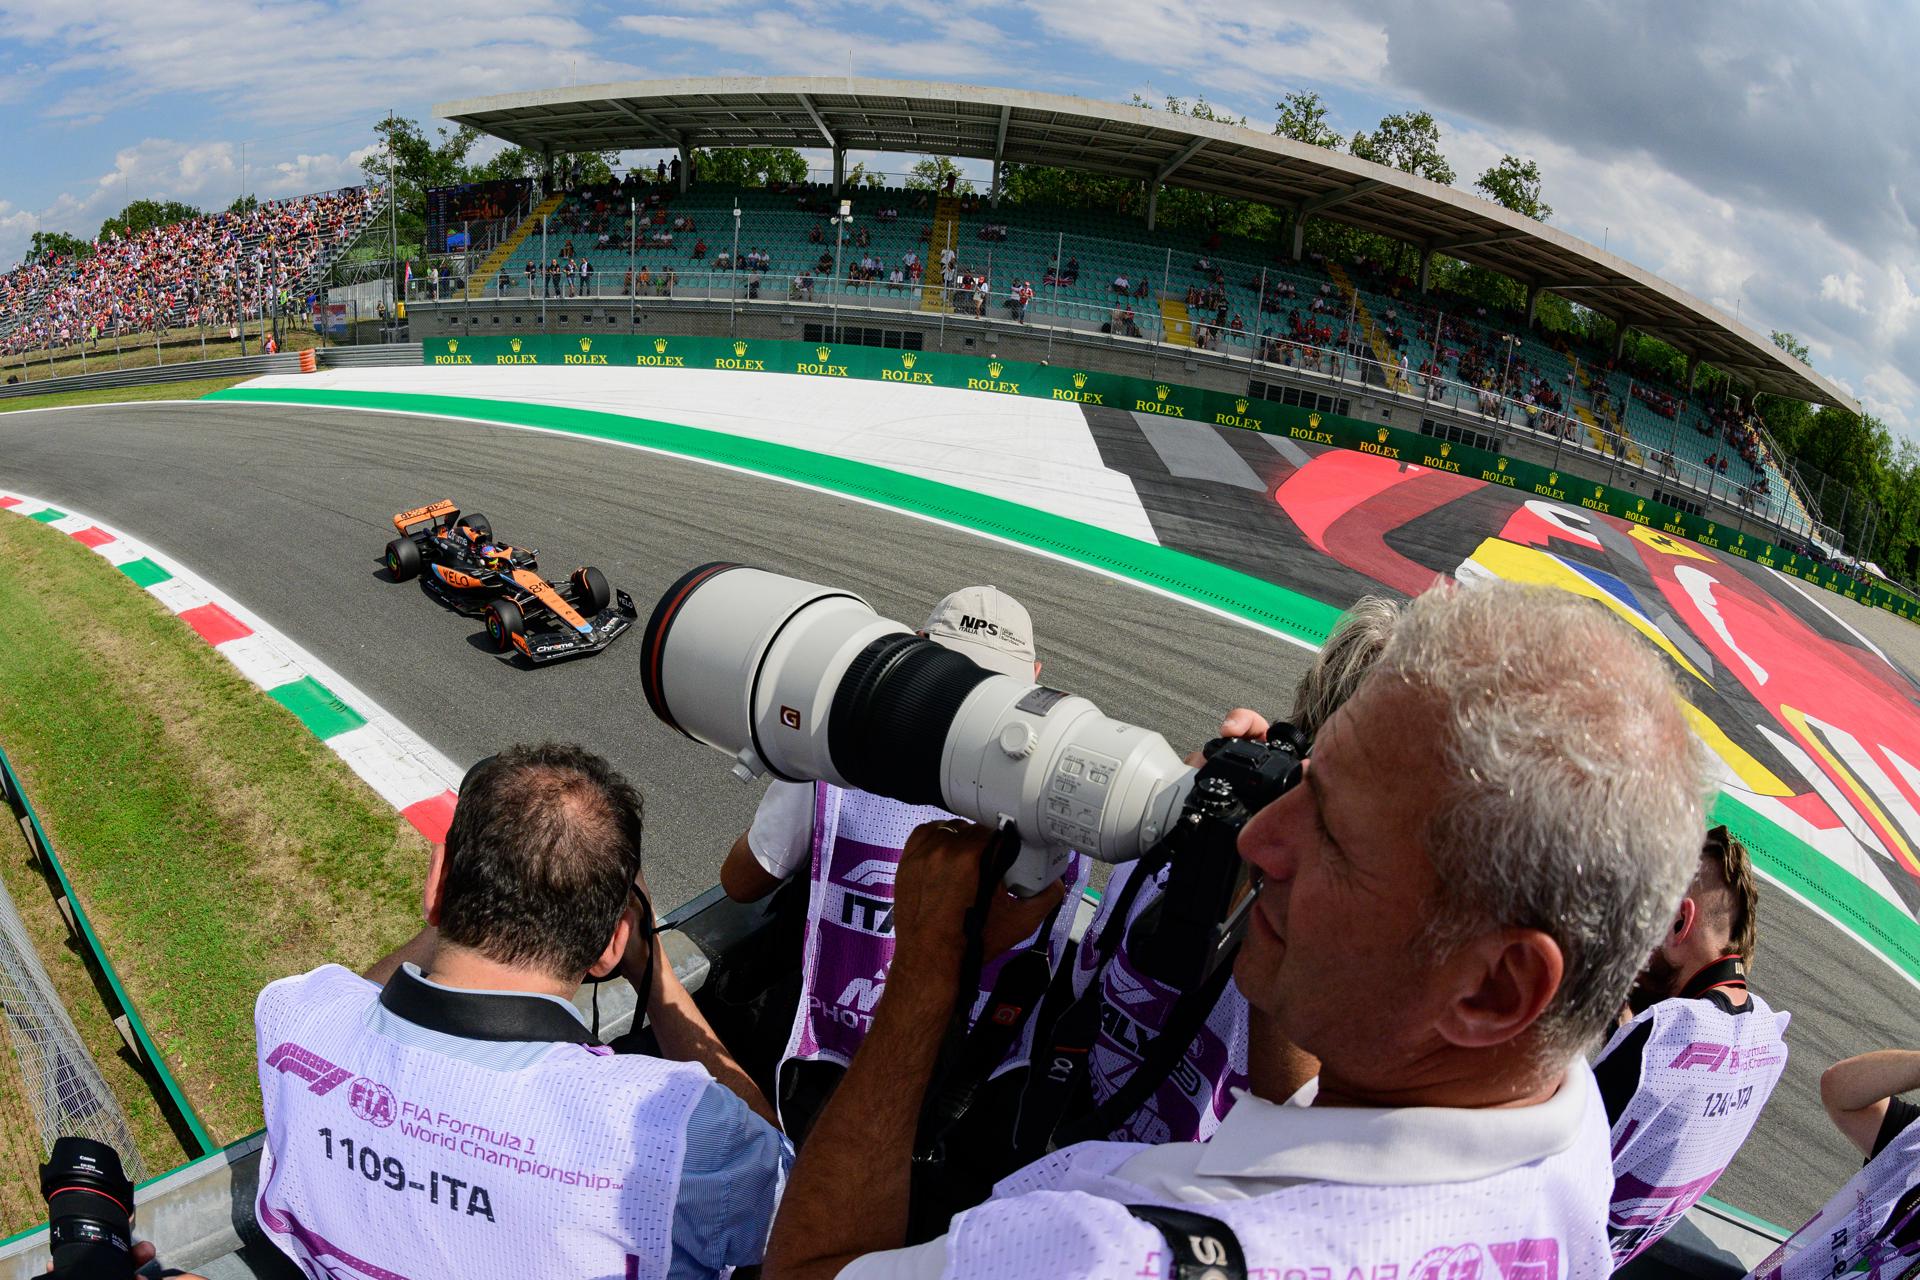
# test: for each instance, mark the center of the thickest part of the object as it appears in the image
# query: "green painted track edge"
(1228, 590)
(1753, 1220)
(1807, 874)
(155, 1059)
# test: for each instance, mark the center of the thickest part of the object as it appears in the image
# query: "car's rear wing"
(434, 513)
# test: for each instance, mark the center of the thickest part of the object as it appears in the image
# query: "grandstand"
(214, 269)
(1215, 293)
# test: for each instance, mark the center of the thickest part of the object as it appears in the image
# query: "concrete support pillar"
(839, 170)
(546, 168)
(1619, 339)
(686, 164)
(1693, 372)
(993, 197)
(1153, 203)
(1426, 268)
(1533, 302)
(1299, 236)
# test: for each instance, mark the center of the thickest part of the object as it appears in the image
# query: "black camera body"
(89, 1210)
(1191, 928)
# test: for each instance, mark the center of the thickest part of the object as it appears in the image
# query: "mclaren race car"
(457, 560)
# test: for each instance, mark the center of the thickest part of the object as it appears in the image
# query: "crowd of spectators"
(209, 270)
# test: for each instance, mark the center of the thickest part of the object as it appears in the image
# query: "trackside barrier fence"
(362, 357)
(1162, 399)
(119, 1004)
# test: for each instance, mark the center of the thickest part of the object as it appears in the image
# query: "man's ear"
(1685, 917)
(1502, 982)
(616, 949)
(436, 887)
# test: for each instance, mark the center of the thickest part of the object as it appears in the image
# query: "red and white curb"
(407, 773)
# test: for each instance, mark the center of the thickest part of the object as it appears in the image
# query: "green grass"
(216, 844)
(192, 390)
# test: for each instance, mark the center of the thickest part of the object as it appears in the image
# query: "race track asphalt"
(288, 510)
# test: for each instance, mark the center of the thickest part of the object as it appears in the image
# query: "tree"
(56, 244)
(1069, 189)
(860, 176)
(1515, 184)
(419, 162)
(243, 204)
(1792, 346)
(1200, 110)
(930, 173)
(749, 166)
(1409, 142)
(1303, 117)
(145, 215)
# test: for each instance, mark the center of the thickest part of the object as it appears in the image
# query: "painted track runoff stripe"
(392, 759)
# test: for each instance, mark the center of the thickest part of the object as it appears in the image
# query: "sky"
(1758, 154)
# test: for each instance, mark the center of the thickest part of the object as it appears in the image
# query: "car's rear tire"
(403, 559)
(591, 593)
(478, 523)
(504, 623)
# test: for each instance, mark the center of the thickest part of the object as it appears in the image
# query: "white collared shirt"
(1263, 1147)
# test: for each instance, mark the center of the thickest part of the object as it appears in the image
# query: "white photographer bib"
(388, 1162)
(1705, 1074)
(1066, 1216)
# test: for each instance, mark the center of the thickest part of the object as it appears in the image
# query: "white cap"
(987, 625)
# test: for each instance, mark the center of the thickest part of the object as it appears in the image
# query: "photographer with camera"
(1871, 1226)
(459, 1118)
(848, 841)
(90, 1215)
(1688, 1073)
(1481, 852)
(1131, 1087)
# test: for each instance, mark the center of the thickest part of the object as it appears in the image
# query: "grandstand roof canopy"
(1078, 133)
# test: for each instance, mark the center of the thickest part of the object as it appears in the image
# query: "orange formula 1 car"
(457, 560)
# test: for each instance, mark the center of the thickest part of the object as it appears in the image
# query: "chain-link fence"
(69, 1096)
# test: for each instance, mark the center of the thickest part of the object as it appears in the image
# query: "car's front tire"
(591, 593)
(403, 559)
(504, 622)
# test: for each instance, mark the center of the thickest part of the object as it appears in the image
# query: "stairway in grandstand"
(1375, 339)
(1178, 323)
(946, 234)
(1602, 432)
(477, 282)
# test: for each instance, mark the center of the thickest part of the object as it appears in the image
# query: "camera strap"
(1068, 1027)
(1000, 855)
(1190, 1011)
(1017, 990)
(1203, 1247)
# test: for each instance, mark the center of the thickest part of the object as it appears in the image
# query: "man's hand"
(938, 880)
(1240, 723)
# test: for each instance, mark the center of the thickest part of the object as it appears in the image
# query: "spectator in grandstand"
(1507, 921)
(833, 836)
(1694, 1009)
(1187, 1104)
(468, 1038)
